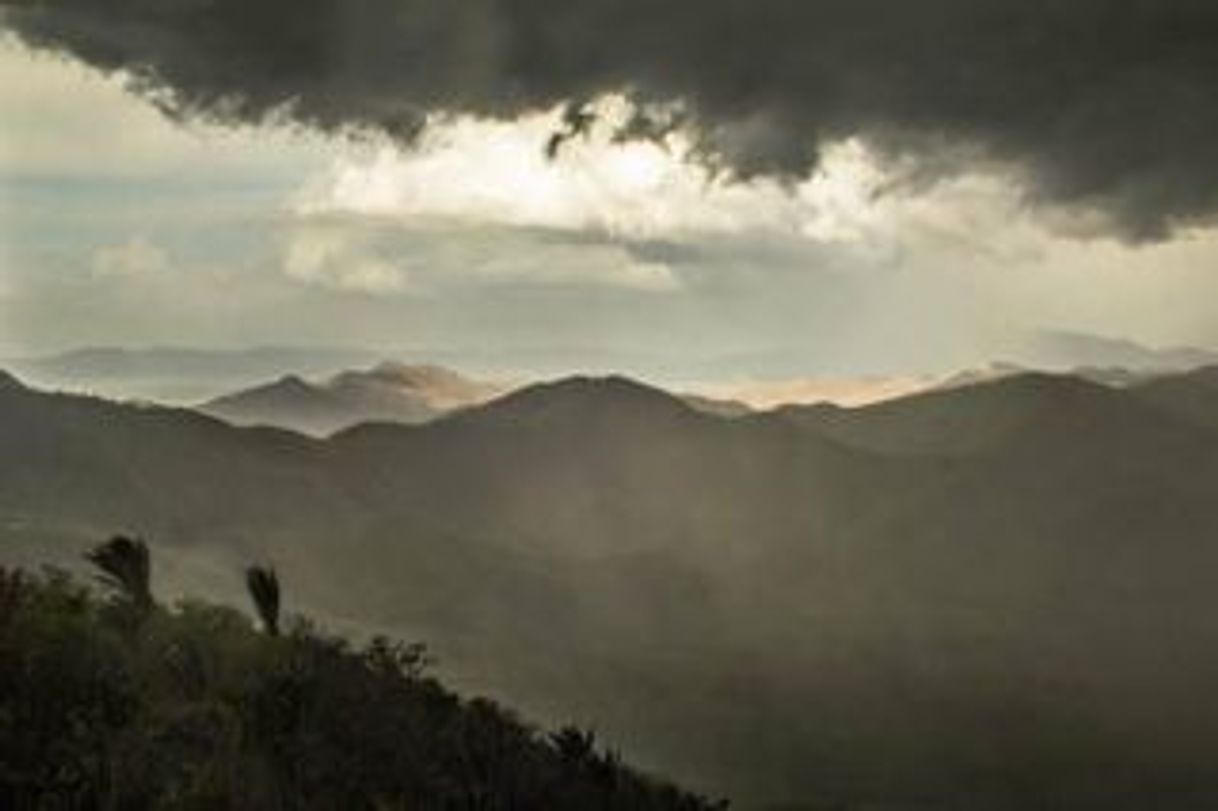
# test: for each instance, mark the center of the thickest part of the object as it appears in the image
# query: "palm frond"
(124, 566)
(263, 585)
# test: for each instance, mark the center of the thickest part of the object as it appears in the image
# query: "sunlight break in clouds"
(370, 255)
(497, 172)
(421, 245)
(842, 391)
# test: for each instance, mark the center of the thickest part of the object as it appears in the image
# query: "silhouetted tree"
(124, 566)
(263, 586)
(574, 745)
(205, 712)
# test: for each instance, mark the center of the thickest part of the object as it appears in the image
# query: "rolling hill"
(991, 597)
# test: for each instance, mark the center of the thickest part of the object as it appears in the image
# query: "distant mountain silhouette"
(289, 402)
(995, 596)
(99, 362)
(1061, 349)
(180, 374)
(582, 400)
(1114, 376)
(388, 392)
(975, 417)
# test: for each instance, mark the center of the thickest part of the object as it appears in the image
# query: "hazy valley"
(933, 598)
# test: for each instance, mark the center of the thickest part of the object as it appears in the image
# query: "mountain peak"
(291, 382)
(584, 396)
(397, 369)
(263, 405)
(601, 387)
(386, 392)
(1039, 384)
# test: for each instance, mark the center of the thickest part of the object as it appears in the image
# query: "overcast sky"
(523, 194)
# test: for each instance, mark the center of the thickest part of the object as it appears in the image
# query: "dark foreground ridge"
(121, 703)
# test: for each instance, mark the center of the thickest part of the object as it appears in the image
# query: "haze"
(818, 399)
(123, 227)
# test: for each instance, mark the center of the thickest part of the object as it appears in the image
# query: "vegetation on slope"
(123, 703)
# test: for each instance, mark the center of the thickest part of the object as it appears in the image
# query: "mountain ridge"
(386, 392)
(737, 598)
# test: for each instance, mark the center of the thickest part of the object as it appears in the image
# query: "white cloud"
(596, 265)
(372, 255)
(479, 171)
(337, 257)
(833, 269)
(135, 258)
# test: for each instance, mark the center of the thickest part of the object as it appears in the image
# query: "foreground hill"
(115, 704)
(998, 596)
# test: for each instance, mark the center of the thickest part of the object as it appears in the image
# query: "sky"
(589, 186)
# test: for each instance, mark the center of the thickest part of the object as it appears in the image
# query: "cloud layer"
(1104, 106)
(492, 172)
(625, 261)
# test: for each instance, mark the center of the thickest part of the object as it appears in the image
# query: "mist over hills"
(387, 392)
(993, 596)
(191, 375)
(180, 374)
(1066, 349)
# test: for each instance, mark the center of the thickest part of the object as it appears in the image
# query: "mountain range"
(387, 392)
(1066, 349)
(188, 375)
(180, 374)
(998, 595)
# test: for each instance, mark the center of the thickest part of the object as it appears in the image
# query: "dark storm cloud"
(1107, 105)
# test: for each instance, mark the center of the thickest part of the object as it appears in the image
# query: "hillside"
(1192, 396)
(119, 704)
(975, 598)
(983, 416)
